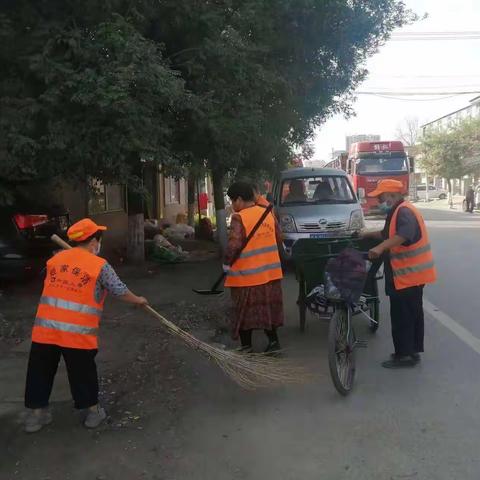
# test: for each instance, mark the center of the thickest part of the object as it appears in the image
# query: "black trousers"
(42, 367)
(406, 313)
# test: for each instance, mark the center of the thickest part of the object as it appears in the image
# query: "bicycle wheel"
(341, 352)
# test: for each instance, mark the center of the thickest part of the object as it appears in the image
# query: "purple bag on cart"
(348, 273)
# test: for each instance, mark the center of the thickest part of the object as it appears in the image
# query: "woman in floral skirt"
(255, 278)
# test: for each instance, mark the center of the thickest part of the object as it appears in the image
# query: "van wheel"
(442, 196)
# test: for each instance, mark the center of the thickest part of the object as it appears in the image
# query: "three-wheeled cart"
(310, 258)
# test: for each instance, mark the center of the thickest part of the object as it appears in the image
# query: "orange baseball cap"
(387, 186)
(84, 229)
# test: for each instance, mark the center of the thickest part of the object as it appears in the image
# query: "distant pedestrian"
(255, 278)
(409, 267)
(470, 199)
(67, 324)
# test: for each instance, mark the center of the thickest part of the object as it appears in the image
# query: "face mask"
(384, 207)
(98, 248)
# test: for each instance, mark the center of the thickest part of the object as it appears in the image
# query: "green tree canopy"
(452, 153)
(83, 94)
(90, 88)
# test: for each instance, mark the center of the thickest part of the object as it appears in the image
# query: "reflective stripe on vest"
(417, 268)
(259, 263)
(65, 327)
(72, 306)
(411, 253)
(258, 251)
(252, 271)
(411, 265)
(68, 313)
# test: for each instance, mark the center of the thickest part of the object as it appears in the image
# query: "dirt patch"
(147, 380)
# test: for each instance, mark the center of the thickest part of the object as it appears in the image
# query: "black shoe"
(400, 362)
(415, 356)
(273, 348)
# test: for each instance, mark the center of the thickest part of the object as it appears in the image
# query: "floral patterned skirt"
(258, 307)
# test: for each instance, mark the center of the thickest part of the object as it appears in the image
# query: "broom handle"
(166, 322)
(249, 237)
(61, 243)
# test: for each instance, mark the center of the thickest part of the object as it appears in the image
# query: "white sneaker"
(95, 417)
(36, 420)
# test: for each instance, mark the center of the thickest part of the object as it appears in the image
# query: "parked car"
(25, 243)
(434, 192)
(315, 203)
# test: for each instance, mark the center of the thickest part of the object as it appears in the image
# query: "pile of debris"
(161, 241)
(168, 243)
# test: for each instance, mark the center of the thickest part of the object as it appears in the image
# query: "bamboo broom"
(248, 370)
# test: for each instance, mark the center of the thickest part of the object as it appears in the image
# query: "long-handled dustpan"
(214, 290)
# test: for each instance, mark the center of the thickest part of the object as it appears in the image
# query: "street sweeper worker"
(409, 266)
(67, 323)
(255, 278)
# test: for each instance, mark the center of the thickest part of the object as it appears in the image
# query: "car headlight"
(287, 224)
(356, 220)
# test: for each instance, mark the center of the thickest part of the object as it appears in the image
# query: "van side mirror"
(411, 163)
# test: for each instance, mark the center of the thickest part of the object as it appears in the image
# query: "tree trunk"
(136, 238)
(136, 222)
(450, 193)
(191, 199)
(217, 179)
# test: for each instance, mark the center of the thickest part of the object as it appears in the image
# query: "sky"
(413, 66)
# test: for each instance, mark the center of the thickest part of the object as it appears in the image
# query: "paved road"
(420, 424)
(417, 424)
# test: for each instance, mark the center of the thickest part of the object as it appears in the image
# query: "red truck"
(369, 162)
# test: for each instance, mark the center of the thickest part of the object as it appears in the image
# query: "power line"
(444, 32)
(435, 88)
(435, 36)
(466, 75)
(413, 99)
(431, 39)
(475, 92)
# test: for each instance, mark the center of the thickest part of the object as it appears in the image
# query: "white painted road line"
(448, 322)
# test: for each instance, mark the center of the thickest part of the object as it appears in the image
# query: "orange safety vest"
(412, 265)
(262, 201)
(259, 263)
(68, 314)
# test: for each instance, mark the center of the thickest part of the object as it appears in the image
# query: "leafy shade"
(82, 101)
(452, 153)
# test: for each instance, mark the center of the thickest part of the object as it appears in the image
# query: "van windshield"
(316, 191)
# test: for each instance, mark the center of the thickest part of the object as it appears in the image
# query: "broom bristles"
(249, 370)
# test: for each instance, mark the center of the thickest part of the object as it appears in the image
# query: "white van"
(315, 203)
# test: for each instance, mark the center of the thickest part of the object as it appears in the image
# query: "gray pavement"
(414, 424)
(419, 424)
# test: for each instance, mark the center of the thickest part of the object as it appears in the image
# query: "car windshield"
(317, 190)
(379, 164)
